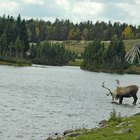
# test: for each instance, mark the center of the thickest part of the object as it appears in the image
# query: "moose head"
(121, 92)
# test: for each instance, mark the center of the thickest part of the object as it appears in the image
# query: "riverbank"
(132, 69)
(116, 128)
(15, 63)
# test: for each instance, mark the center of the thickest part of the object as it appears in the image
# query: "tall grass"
(115, 117)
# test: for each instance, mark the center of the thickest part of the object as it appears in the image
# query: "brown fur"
(128, 91)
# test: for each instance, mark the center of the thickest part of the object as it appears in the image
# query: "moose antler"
(103, 85)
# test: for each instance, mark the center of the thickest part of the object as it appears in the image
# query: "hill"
(79, 46)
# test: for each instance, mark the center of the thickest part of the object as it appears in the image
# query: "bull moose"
(121, 92)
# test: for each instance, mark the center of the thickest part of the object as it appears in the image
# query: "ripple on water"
(35, 101)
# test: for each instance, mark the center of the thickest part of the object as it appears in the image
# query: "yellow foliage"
(128, 33)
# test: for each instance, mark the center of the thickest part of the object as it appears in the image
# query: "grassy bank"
(116, 128)
(133, 69)
(79, 46)
(76, 62)
(15, 62)
(127, 129)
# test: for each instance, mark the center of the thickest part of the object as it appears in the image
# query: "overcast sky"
(76, 10)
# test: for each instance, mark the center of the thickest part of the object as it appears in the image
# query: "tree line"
(14, 40)
(15, 45)
(39, 30)
(98, 57)
(22, 39)
(50, 54)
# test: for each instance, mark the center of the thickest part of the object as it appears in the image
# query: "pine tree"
(18, 47)
(24, 37)
(3, 44)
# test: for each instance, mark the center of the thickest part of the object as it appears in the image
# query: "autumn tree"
(128, 33)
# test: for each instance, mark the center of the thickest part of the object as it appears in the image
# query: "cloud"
(75, 10)
(37, 10)
(36, 2)
(113, 1)
(65, 4)
(7, 7)
(132, 11)
(87, 8)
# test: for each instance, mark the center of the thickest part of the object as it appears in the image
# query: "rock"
(122, 124)
(104, 135)
(73, 134)
(103, 124)
(57, 138)
(67, 132)
(137, 113)
(49, 138)
(138, 138)
(123, 131)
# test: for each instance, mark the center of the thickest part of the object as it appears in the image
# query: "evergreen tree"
(92, 57)
(18, 47)
(24, 37)
(3, 44)
(97, 57)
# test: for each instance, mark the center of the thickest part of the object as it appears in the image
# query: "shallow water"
(40, 100)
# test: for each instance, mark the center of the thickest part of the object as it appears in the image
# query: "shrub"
(115, 117)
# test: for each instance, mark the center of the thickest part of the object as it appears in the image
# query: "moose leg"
(120, 99)
(135, 100)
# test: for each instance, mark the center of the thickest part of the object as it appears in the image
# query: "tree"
(74, 34)
(85, 35)
(3, 44)
(24, 37)
(92, 57)
(114, 55)
(128, 33)
(18, 47)
(52, 54)
(97, 57)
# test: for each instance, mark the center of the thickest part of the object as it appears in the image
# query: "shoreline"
(120, 127)
(134, 69)
(131, 70)
(14, 63)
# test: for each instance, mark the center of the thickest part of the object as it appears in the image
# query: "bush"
(115, 117)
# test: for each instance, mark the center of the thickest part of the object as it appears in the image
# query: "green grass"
(77, 62)
(79, 46)
(16, 62)
(73, 45)
(129, 43)
(108, 133)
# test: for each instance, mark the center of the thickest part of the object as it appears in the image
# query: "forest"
(31, 41)
(16, 46)
(39, 30)
(97, 57)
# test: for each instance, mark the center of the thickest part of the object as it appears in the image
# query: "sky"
(76, 10)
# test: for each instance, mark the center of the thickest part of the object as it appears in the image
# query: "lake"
(40, 100)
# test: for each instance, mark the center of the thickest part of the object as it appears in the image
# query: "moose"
(121, 92)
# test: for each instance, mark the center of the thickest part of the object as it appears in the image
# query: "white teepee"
(133, 54)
